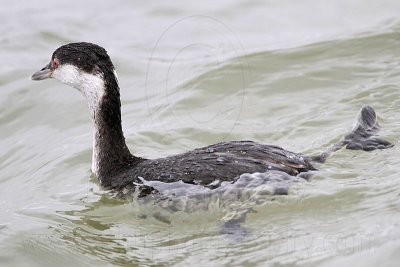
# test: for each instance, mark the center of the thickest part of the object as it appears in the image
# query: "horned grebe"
(88, 68)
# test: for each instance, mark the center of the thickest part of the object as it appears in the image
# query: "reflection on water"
(293, 74)
(119, 230)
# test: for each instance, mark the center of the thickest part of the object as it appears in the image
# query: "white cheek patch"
(91, 85)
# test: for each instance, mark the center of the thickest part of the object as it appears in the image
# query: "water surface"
(290, 73)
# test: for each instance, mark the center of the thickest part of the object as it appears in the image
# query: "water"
(290, 73)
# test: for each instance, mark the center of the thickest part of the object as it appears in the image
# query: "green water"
(290, 73)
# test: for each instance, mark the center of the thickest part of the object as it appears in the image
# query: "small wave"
(248, 190)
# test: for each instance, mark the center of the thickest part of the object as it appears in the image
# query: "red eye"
(56, 62)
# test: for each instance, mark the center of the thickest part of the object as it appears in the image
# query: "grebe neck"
(110, 153)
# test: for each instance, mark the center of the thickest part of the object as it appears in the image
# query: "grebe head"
(84, 66)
